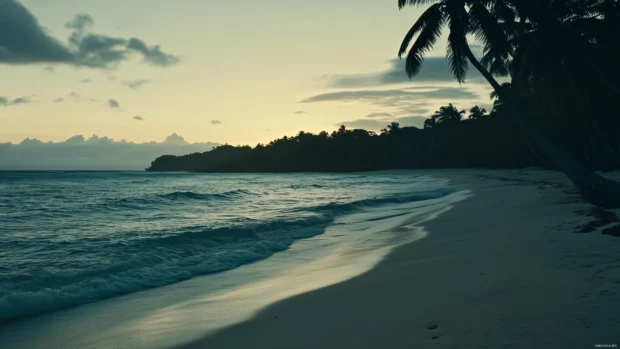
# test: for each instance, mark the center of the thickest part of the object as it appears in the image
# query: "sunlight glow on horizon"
(247, 66)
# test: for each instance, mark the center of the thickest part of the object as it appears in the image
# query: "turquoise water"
(69, 238)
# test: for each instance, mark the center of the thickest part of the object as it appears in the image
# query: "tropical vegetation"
(560, 57)
(480, 140)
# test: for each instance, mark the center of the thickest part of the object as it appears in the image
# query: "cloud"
(152, 54)
(135, 84)
(175, 139)
(138, 117)
(434, 69)
(93, 153)
(24, 41)
(85, 81)
(77, 98)
(416, 100)
(216, 122)
(80, 22)
(59, 100)
(299, 112)
(378, 124)
(20, 100)
(378, 115)
(17, 101)
(113, 103)
(382, 96)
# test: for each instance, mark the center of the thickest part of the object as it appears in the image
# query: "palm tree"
(477, 113)
(393, 128)
(448, 115)
(558, 38)
(479, 21)
(498, 102)
(430, 123)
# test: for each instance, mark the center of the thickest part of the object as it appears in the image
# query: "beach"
(498, 263)
(502, 269)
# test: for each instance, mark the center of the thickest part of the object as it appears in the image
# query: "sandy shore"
(502, 269)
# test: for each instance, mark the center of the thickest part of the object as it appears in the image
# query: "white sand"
(503, 269)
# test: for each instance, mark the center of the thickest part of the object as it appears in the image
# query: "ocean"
(71, 238)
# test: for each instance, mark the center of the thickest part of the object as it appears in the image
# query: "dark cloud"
(17, 101)
(138, 117)
(382, 96)
(299, 112)
(405, 101)
(85, 81)
(24, 41)
(20, 100)
(378, 115)
(135, 84)
(113, 103)
(216, 122)
(378, 124)
(98, 51)
(434, 69)
(152, 54)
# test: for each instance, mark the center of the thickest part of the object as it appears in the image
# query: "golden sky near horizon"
(247, 72)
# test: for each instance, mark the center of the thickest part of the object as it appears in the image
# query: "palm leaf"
(457, 42)
(487, 31)
(430, 24)
(428, 17)
(403, 3)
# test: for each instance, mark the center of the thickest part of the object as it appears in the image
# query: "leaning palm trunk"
(593, 188)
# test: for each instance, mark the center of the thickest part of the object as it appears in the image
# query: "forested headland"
(450, 138)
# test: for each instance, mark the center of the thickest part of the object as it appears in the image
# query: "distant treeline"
(447, 140)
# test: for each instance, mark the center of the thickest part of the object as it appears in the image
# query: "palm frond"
(403, 3)
(430, 24)
(428, 17)
(457, 42)
(487, 31)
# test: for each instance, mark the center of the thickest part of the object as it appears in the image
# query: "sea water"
(70, 238)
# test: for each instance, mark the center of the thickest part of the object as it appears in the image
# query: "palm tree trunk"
(532, 148)
(612, 156)
(593, 188)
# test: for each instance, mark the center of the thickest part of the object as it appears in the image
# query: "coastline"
(502, 269)
(181, 312)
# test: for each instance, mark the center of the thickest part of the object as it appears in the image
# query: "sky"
(93, 153)
(213, 71)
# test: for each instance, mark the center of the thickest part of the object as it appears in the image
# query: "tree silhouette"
(431, 122)
(462, 144)
(477, 113)
(465, 17)
(448, 115)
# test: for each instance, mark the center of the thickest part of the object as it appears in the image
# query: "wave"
(168, 260)
(180, 195)
(167, 257)
(165, 199)
(340, 208)
(305, 186)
